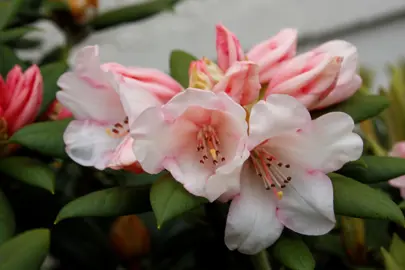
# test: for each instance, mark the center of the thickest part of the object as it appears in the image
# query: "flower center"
(271, 170)
(119, 129)
(208, 144)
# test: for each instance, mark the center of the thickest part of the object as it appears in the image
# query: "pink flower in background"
(284, 182)
(398, 151)
(20, 98)
(309, 77)
(348, 81)
(199, 137)
(94, 94)
(267, 54)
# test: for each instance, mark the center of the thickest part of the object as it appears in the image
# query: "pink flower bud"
(241, 82)
(398, 151)
(228, 48)
(270, 53)
(348, 81)
(160, 84)
(20, 97)
(308, 77)
(204, 74)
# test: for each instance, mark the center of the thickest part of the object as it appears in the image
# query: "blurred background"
(376, 27)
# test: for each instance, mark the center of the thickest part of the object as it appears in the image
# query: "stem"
(375, 146)
(261, 261)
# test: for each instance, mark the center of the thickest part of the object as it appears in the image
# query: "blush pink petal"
(123, 155)
(270, 53)
(252, 225)
(228, 48)
(241, 82)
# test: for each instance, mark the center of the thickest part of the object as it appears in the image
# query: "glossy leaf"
(179, 65)
(293, 253)
(15, 33)
(169, 199)
(130, 13)
(25, 251)
(51, 73)
(377, 169)
(29, 171)
(8, 10)
(355, 199)
(360, 107)
(116, 201)
(44, 137)
(7, 223)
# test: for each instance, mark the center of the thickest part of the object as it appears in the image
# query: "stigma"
(119, 129)
(208, 144)
(271, 170)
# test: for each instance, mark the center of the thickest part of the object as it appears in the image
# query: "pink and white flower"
(96, 95)
(284, 182)
(398, 151)
(199, 137)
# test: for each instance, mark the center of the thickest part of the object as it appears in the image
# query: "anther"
(118, 125)
(215, 162)
(223, 159)
(201, 161)
(287, 166)
(289, 178)
(205, 157)
(282, 186)
(115, 131)
(280, 164)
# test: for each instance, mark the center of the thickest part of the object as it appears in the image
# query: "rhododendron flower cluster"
(240, 133)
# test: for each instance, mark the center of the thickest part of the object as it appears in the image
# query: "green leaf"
(116, 201)
(29, 171)
(179, 65)
(25, 251)
(8, 10)
(44, 137)
(397, 250)
(51, 73)
(130, 13)
(293, 253)
(169, 199)
(7, 223)
(355, 199)
(8, 59)
(402, 205)
(378, 169)
(360, 107)
(15, 33)
(390, 263)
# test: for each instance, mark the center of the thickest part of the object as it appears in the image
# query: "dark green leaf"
(293, 253)
(360, 107)
(378, 169)
(355, 199)
(179, 65)
(51, 73)
(8, 10)
(109, 202)
(8, 59)
(15, 33)
(7, 224)
(44, 137)
(390, 263)
(25, 251)
(29, 171)
(402, 205)
(169, 199)
(130, 13)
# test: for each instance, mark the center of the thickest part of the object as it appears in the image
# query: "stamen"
(119, 129)
(208, 142)
(273, 176)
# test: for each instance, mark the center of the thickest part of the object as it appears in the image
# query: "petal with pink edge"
(123, 154)
(252, 224)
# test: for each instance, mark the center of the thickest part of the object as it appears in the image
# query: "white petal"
(87, 102)
(88, 144)
(136, 99)
(252, 224)
(123, 155)
(325, 145)
(279, 114)
(307, 203)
